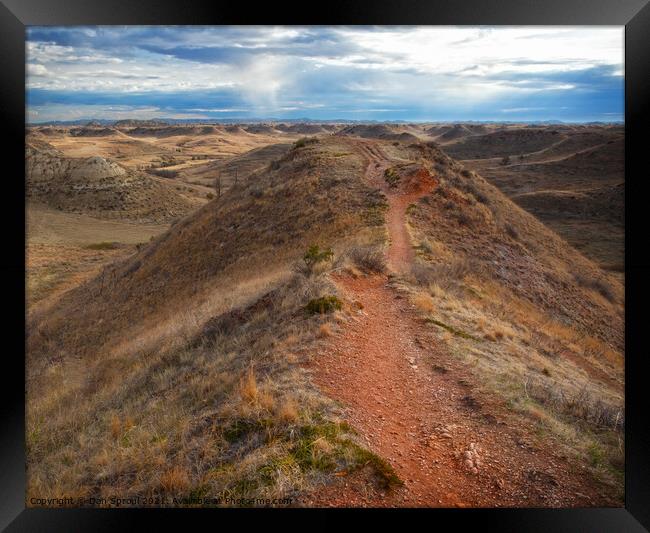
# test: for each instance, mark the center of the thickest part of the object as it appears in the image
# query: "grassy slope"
(542, 325)
(187, 353)
(182, 360)
(100, 188)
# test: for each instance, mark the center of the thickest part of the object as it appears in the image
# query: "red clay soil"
(419, 408)
(400, 252)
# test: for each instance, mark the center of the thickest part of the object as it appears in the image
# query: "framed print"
(385, 260)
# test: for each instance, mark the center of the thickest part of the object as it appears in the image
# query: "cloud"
(521, 109)
(34, 69)
(409, 72)
(112, 112)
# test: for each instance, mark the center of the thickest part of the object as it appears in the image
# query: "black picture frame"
(15, 15)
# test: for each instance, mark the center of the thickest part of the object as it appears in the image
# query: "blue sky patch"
(351, 73)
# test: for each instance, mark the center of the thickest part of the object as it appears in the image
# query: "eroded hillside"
(209, 358)
(189, 347)
(98, 186)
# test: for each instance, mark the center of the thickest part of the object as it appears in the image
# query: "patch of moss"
(307, 459)
(303, 455)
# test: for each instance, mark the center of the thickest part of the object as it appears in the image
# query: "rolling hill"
(98, 186)
(207, 359)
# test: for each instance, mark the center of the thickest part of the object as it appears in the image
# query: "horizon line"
(321, 120)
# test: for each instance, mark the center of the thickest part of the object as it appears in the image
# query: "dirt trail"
(400, 252)
(420, 409)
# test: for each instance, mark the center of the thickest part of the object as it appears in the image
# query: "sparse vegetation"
(600, 285)
(391, 176)
(368, 258)
(313, 256)
(324, 304)
(188, 355)
(579, 404)
(304, 141)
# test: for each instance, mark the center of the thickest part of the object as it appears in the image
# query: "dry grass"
(187, 355)
(53, 268)
(545, 376)
(424, 302)
(325, 330)
(369, 259)
(189, 352)
(508, 305)
(255, 429)
(248, 386)
(288, 411)
(174, 481)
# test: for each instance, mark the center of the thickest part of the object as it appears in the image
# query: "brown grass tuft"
(424, 302)
(174, 480)
(288, 411)
(266, 400)
(248, 386)
(325, 330)
(115, 427)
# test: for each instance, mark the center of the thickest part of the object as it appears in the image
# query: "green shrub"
(315, 255)
(391, 177)
(304, 141)
(209, 196)
(324, 304)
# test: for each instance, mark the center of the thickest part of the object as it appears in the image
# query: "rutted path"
(418, 407)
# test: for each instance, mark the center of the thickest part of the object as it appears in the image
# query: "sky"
(412, 73)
